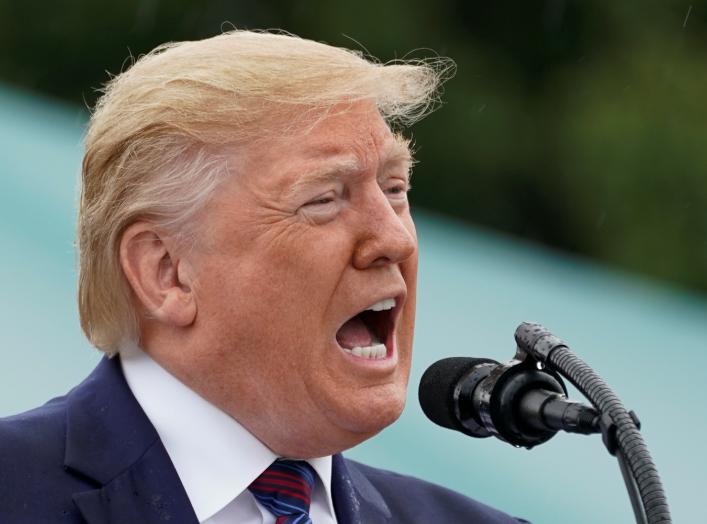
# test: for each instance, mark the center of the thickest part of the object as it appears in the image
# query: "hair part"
(157, 143)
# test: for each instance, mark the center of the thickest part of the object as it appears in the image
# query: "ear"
(160, 280)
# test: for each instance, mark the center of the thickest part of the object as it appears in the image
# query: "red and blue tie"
(285, 490)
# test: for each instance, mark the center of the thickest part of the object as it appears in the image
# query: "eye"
(320, 201)
(396, 189)
(322, 208)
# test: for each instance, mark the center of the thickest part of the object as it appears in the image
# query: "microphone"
(519, 402)
(524, 402)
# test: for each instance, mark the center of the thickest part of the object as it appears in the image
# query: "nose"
(387, 235)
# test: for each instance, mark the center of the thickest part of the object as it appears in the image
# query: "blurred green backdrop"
(577, 125)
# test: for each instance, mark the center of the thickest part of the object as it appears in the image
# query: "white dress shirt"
(215, 457)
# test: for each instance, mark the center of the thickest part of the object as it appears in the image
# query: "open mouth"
(369, 333)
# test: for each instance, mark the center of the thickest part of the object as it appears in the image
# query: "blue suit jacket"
(93, 457)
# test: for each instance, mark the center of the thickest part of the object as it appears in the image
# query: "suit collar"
(356, 500)
(110, 441)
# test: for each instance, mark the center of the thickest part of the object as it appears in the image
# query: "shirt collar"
(215, 457)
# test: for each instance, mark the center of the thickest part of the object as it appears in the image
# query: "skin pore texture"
(309, 230)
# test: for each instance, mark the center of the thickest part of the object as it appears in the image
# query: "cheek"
(277, 292)
(310, 270)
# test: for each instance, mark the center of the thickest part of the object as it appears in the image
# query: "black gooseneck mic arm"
(620, 428)
(524, 402)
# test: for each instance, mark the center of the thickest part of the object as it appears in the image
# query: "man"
(248, 260)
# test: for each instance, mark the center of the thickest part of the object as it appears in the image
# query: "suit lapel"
(148, 492)
(110, 441)
(356, 500)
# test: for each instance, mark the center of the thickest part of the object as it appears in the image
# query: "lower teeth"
(375, 352)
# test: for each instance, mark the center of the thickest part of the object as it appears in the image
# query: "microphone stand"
(619, 427)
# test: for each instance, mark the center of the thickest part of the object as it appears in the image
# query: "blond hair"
(155, 142)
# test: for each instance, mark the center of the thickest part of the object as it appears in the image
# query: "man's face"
(310, 231)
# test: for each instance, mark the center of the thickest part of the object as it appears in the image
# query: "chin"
(365, 419)
(343, 426)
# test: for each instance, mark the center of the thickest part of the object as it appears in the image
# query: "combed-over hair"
(156, 142)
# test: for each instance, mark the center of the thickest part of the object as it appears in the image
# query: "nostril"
(382, 261)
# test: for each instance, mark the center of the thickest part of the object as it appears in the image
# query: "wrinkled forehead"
(351, 149)
(348, 138)
(327, 131)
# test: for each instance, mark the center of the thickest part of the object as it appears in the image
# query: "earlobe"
(161, 283)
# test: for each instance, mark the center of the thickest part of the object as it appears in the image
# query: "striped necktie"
(285, 490)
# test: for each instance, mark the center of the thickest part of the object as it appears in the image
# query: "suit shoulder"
(34, 430)
(32, 466)
(411, 500)
(31, 445)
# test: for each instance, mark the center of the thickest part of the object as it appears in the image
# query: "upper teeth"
(386, 303)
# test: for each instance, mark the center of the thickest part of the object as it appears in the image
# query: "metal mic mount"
(518, 402)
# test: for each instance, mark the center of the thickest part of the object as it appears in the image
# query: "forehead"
(344, 129)
(349, 139)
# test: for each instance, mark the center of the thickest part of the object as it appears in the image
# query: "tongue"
(355, 334)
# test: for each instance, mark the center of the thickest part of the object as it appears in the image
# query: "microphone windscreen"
(436, 392)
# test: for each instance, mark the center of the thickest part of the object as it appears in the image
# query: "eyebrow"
(400, 153)
(339, 168)
(330, 172)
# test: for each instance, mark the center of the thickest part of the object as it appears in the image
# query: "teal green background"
(646, 339)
